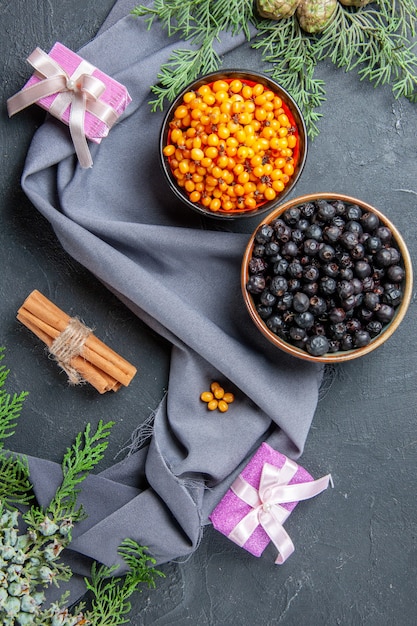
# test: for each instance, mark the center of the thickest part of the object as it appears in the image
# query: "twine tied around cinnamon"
(67, 345)
(75, 348)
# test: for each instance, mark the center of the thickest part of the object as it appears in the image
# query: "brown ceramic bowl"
(339, 355)
(298, 129)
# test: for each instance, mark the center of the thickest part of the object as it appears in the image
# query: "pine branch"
(79, 460)
(201, 23)
(77, 463)
(183, 67)
(402, 14)
(373, 42)
(376, 40)
(292, 59)
(33, 556)
(15, 486)
(10, 406)
(110, 593)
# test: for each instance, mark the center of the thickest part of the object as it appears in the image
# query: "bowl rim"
(302, 131)
(340, 356)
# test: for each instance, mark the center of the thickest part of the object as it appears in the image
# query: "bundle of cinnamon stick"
(74, 346)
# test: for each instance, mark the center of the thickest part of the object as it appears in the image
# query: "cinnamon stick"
(96, 363)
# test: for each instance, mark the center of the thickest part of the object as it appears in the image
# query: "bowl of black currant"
(326, 277)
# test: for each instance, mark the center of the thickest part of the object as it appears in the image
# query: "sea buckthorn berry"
(268, 132)
(247, 92)
(270, 193)
(176, 136)
(212, 405)
(206, 162)
(249, 187)
(292, 141)
(289, 169)
(218, 393)
(215, 204)
(242, 152)
(228, 177)
(195, 196)
(180, 112)
(189, 186)
(217, 172)
(260, 100)
(220, 85)
(223, 161)
(211, 152)
(239, 190)
(223, 132)
(169, 150)
(228, 397)
(236, 86)
(243, 178)
(257, 89)
(183, 166)
(196, 114)
(245, 117)
(190, 95)
(250, 202)
(223, 406)
(280, 163)
(225, 106)
(206, 396)
(197, 154)
(260, 114)
(249, 106)
(209, 98)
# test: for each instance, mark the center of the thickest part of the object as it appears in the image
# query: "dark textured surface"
(356, 548)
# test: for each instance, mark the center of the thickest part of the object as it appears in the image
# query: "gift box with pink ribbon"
(75, 92)
(254, 509)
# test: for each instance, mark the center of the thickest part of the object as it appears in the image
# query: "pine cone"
(277, 9)
(315, 15)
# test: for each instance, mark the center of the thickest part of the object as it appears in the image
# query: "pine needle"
(111, 594)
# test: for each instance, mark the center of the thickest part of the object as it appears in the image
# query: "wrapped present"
(253, 510)
(74, 91)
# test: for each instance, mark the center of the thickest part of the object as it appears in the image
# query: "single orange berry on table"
(218, 393)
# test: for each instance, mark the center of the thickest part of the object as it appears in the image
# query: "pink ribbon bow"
(273, 491)
(81, 91)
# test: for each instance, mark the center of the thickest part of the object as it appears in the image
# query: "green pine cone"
(277, 9)
(315, 15)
